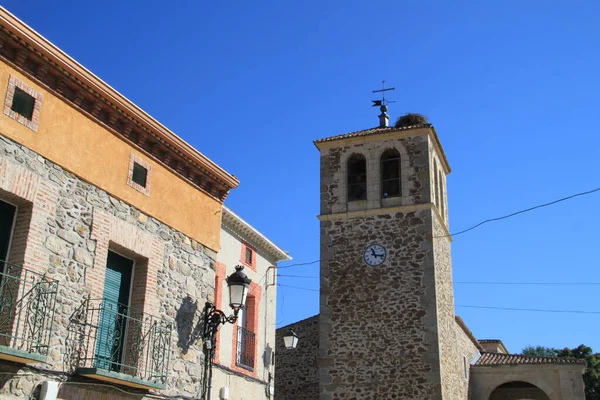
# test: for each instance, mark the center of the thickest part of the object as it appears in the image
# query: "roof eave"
(48, 49)
(230, 219)
(467, 332)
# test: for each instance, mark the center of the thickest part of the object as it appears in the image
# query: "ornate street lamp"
(290, 340)
(238, 284)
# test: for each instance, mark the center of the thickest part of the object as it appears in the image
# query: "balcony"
(115, 343)
(27, 303)
(245, 348)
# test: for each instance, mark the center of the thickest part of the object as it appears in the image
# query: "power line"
(485, 307)
(487, 220)
(298, 287)
(299, 264)
(530, 309)
(298, 276)
(526, 283)
(481, 282)
(521, 212)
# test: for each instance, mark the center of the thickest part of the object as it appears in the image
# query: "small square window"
(23, 103)
(140, 174)
(248, 256)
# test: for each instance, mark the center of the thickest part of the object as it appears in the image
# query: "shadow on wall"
(13, 381)
(187, 333)
(98, 391)
(268, 356)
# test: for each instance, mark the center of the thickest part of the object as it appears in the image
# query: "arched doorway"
(518, 391)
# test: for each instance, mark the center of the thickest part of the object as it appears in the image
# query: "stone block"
(68, 235)
(57, 246)
(83, 256)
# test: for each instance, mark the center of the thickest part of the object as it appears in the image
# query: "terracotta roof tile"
(379, 130)
(371, 131)
(499, 359)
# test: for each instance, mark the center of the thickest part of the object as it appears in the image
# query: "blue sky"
(512, 88)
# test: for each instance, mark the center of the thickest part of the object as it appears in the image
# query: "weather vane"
(383, 102)
(384, 119)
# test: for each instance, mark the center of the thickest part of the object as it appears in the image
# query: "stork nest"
(411, 119)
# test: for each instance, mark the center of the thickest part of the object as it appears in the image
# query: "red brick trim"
(252, 264)
(252, 310)
(36, 200)
(111, 232)
(32, 123)
(220, 276)
(133, 159)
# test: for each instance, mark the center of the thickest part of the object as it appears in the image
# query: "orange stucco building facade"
(102, 159)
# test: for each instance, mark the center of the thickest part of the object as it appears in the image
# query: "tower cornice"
(378, 134)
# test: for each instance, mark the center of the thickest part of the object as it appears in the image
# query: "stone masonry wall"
(379, 325)
(184, 277)
(415, 186)
(296, 370)
(466, 350)
(454, 385)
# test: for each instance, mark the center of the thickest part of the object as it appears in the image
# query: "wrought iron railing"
(245, 348)
(27, 303)
(117, 338)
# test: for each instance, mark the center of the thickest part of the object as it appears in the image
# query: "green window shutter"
(113, 315)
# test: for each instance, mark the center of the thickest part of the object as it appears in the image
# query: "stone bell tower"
(387, 328)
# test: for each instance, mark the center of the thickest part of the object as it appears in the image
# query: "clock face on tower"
(375, 255)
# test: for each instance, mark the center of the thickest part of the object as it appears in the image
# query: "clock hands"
(375, 254)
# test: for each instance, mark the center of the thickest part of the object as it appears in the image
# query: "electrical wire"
(297, 287)
(525, 210)
(529, 309)
(297, 265)
(521, 212)
(483, 282)
(527, 283)
(485, 307)
(283, 318)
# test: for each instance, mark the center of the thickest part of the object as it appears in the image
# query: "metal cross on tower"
(383, 117)
(383, 101)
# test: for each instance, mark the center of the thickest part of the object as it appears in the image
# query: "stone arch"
(356, 177)
(390, 176)
(342, 178)
(405, 172)
(518, 390)
(540, 384)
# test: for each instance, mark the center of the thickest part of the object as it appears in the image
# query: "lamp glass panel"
(237, 295)
(290, 341)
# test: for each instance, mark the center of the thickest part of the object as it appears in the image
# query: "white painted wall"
(265, 277)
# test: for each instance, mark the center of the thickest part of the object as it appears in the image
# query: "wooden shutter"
(113, 315)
